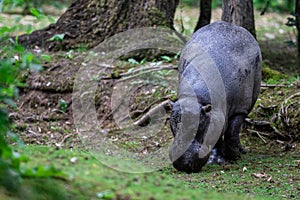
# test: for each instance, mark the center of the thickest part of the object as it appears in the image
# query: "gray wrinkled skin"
(234, 52)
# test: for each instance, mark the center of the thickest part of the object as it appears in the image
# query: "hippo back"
(236, 54)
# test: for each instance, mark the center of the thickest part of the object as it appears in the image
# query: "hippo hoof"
(216, 158)
(231, 153)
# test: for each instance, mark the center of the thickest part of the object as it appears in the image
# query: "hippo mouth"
(191, 161)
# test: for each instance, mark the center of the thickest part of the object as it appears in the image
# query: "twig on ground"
(274, 85)
(257, 123)
(258, 134)
(277, 132)
(132, 114)
(147, 70)
(265, 123)
(60, 144)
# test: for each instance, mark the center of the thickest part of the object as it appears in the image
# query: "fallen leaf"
(270, 179)
(259, 175)
(73, 160)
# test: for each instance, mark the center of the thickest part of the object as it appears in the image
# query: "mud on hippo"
(219, 82)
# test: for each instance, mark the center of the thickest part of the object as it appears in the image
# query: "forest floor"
(45, 121)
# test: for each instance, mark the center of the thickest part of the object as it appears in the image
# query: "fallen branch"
(257, 123)
(165, 105)
(268, 107)
(138, 72)
(142, 111)
(149, 70)
(267, 124)
(142, 68)
(258, 134)
(274, 85)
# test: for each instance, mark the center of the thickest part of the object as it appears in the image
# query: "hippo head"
(189, 123)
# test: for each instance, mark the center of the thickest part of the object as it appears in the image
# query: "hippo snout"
(190, 161)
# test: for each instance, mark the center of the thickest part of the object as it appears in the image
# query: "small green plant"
(63, 105)
(36, 13)
(166, 58)
(133, 61)
(69, 54)
(57, 38)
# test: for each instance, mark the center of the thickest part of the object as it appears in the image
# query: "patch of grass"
(89, 179)
(271, 174)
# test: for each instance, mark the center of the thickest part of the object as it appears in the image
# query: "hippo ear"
(206, 108)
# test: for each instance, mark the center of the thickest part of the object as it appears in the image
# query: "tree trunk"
(87, 23)
(298, 24)
(239, 12)
(205, 14)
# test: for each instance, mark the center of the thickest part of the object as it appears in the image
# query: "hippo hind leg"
(232, 147)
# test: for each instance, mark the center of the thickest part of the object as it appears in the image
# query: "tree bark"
(298, 24)
(87, 23)
(205, 14)
(239, 12)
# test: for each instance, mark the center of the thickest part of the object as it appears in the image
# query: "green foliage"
(36, 13)
(196, 3)
(192, 3)
(14, 62)
(31, 4)
(275, 5)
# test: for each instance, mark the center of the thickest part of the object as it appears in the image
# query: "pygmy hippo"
(219, 82)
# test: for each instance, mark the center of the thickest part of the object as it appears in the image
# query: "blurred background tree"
(275, 5)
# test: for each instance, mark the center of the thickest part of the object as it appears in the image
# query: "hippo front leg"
(232, 146)
(216, 156)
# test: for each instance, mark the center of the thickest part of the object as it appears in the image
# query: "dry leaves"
(265, 176)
